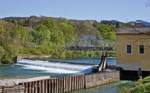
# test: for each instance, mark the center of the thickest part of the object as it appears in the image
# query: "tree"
(69, 33)
(108, 32)
(2, 52)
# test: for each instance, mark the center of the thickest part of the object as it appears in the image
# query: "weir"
(86, 79)
(55, 67)
(60, 85)
(81, 77)
(125, 73)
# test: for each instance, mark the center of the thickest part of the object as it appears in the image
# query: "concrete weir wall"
(62, 85)
(101, 78)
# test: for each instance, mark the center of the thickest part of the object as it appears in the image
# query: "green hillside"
(47, 36)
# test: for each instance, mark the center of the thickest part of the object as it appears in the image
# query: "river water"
(27, 69)
(109, 88)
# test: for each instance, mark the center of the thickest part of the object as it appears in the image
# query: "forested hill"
(49, 36)
(81, 27)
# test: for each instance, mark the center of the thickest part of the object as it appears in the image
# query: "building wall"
(143, 60)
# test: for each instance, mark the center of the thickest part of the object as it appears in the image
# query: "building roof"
(122, 31)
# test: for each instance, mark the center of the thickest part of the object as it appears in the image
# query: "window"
(129, 49)
(141, 49)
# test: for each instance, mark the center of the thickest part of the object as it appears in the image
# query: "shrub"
(7, 59)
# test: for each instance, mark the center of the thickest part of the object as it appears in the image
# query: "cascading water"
(54, 67)
(35, 68)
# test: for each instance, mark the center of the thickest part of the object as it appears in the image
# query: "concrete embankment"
(59, 85)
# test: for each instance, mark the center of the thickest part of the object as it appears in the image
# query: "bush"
(138, 89)
(147, 87)
(146, 80)
(141, 86)
(7, 59)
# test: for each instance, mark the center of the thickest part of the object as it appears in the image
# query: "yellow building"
(133, 48)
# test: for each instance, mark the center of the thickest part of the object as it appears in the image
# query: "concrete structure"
(133, 48)
(60, 85)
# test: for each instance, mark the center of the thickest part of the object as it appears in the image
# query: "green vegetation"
(85, 54)
(141, 86)
(47, 36)
(108, 32)
(125, 88)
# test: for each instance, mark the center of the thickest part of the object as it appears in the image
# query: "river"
(109, 88)
(27, 71)
(32, 69)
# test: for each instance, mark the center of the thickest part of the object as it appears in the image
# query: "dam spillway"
(35, 68)
(55, 67)
(79, 80)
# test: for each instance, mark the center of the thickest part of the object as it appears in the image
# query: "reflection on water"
(110, 88)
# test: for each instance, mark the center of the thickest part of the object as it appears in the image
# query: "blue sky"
(123, 10)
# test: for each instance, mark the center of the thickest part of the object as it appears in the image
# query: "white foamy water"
(54, 67)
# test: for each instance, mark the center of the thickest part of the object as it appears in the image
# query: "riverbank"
(140, 86)
(65, 55)
(68, 55)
